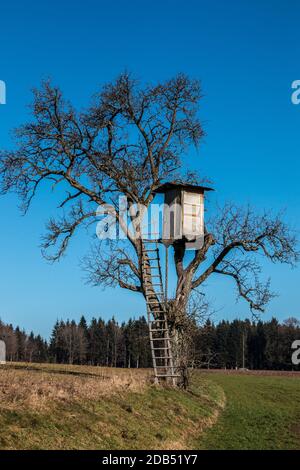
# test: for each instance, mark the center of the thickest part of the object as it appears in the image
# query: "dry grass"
(41, 385)
(44, 406)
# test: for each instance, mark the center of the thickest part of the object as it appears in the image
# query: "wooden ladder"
(160, 341)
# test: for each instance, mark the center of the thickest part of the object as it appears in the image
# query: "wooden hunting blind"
(183, 216)
(183, 219)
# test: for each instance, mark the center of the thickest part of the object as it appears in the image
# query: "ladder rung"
(155, 284)
(153, 291)
(157, 312)
(159, 339)
(156, 349)
(158, 330)
(162, 329)
(167, 375)
(156, 321)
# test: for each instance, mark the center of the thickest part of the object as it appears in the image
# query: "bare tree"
(129, 142)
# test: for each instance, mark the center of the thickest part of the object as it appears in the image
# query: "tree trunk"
(180, 333)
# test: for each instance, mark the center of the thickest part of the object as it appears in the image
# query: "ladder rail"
(154, 297)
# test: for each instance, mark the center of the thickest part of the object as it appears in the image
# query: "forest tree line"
(234, 344)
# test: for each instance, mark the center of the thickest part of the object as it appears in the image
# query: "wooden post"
(166, 274)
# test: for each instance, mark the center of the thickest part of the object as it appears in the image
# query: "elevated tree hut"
(183, 214)
(183, 223)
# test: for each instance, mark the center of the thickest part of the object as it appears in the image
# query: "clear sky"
(246, 54)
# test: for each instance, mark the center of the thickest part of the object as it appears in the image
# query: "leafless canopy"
(129, 141)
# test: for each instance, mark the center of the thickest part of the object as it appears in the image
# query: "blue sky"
(246, 55)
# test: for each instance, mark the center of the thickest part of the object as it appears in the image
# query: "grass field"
(262, 412)
(79, 407)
